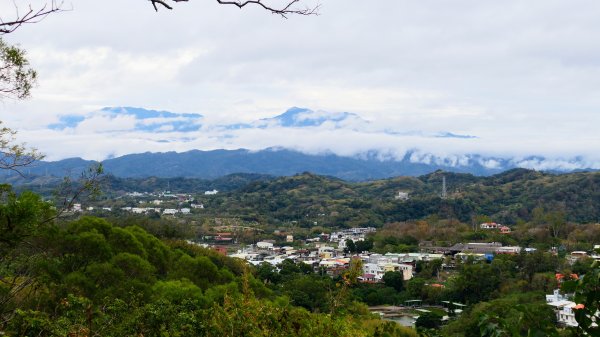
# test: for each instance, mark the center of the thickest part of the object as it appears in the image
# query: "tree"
(16, 77)
(290, 7)
(519, 314)
(475, 283)
(364, 246)
(556, 223)
(415, 287)
(267, 273)
(428, 320)
(350, 246)
(16, 81)
(394, 279)
(587, 294)
(176, 290)
(21, 222)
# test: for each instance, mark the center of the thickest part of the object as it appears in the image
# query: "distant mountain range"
(164, 121)
(348, 146)
(276, 162)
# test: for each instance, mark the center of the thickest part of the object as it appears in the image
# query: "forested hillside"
(508, 197)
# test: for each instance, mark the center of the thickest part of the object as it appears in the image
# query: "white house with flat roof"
(380, 268)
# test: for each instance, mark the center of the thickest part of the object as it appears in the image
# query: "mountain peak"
(302, 117)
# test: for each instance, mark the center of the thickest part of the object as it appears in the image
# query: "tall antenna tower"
(444, 192)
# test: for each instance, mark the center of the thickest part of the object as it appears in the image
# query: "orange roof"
(561, 276)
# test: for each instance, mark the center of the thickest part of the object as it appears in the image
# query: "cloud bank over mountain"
(116, 131)
(428, 76)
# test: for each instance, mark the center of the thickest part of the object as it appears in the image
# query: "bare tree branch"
(31, 15)
(289, 8)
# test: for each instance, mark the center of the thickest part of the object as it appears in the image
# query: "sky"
(521, 77)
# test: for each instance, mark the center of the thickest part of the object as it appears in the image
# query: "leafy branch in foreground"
(13, 155)
(587, 295)
(16, 77)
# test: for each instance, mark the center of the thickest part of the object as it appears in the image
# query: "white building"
(213, 192)
(379, 269)
(508, 250)
(401, 196)
(264, 245)
(185, 211)
(490, 225)
(413, 257)
(169, 211)
(138, 210)
(326, 252)
(563, 308)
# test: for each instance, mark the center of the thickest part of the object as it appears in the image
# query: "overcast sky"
(522, 76)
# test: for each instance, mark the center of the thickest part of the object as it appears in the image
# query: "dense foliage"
(91, 278)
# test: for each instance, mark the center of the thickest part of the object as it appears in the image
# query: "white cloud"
(98, 124)
(522, 76)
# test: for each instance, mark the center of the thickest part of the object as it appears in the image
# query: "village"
(329, 254)
(148, 203)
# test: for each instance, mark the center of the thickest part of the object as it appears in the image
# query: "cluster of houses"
(324, 257)
(354, 234)
(161, 196)
(326, 253)
(475, 250)
(135, 210)
(495, 226)
(79, 208)
(333, 261)
(147, 210)
(155, 199)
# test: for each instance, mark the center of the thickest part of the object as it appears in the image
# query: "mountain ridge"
(273, 161)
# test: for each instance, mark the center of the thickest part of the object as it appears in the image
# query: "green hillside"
(509, 197)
